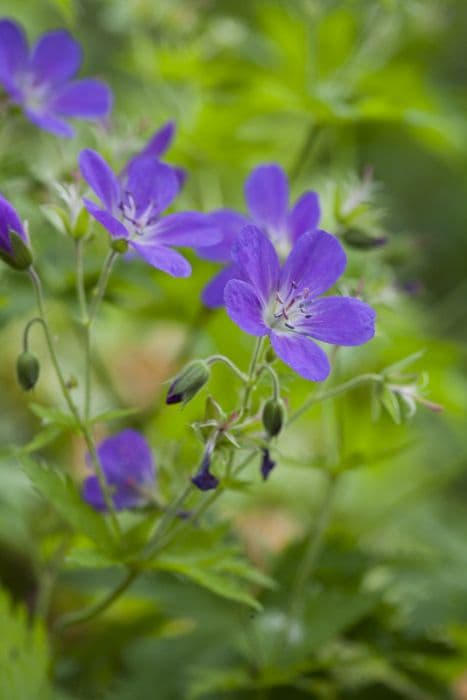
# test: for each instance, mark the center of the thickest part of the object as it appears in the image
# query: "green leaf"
(64, 496)
(24, 655)
(391, 404)
(53, 416)
(114, 414)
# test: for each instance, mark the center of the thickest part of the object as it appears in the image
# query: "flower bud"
(119, 245)
(273, 416)
(190, 380)
(27, 370)
(204, 480)
(19, 255)
(267, 464)
(356, 238)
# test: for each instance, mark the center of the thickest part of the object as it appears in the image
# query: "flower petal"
(56, 57)
(302, 355)
(188, 228)
(88, 99)
(9, 221)
(229, 223)
(163, 258)
(256, 257)
(213, 293)
(267, 196)
(13, 54)
(316, 261)
(125, 456)
(159, 141)
(340, 321)
(152, 184)
(100, 178)
(49, 122)
(122, 497)
(304, 216)
(244, 307)
(113, 225)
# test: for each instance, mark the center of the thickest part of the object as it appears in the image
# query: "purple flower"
(129, 469)
(41, 82)
(156, 147)
(285, 303)
(267, 464)
(132, 210)
(14, 242)
(267, 198)
(204, 480)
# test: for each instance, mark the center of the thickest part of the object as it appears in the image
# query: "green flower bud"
(273, 416)
(27, 370)
(190, 380)
(20, 256)
(120, 245)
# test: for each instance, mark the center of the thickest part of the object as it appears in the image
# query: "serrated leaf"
(391, 403)
(114, 414)
(53, 416)
(64, 496)
(24, 655)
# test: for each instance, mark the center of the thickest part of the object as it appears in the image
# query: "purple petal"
(9, 221)
(55, 58)
(159, 141)
(100, 178)
(88, 99)
(304, 216)
(213, 293)
(267, 464)
(244, 307)
(267, 196)
(122, 497)
(229, 223)
(340, 321)
(316, 261)
(113, 225)
(189, 228)
(152, 184)
(302, 355)
(49, 122)
(13, 54)
(127, 455)
(162, 258)
(257, 258)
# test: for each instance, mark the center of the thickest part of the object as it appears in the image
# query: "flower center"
(137, 223)
(34, 94)
(286, 308)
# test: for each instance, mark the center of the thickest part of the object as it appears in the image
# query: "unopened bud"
(273, 416)
(27, 370)
(19, 257)
(119, 245)
(267, 464)
(356, 238)
(190, 380)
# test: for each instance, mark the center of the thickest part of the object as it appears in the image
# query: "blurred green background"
(329, 90)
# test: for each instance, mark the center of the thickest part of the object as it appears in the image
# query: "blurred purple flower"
(41, 82)
(129, 469)
(132, 210)
(284, 303)
(267, 198)
(267, 464)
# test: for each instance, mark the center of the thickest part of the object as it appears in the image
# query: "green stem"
(334, 391)
(276, 389)
(251, 376)
(80, 288)
(71, 405)
(225, 360)
(27, 329)
(88, 323)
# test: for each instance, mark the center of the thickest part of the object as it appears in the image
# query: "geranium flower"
(156, 147)
(132, 211)
(267, 198)
(41, 82)
(128, 465)
(14, 242)
(285, 302)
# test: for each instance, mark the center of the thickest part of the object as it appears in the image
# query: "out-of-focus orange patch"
(266, 531)
(460, 688)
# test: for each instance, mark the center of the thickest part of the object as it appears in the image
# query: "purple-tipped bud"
(203, 479)
(356, 238)
(267, 464)
(187, 384)
(14, 244)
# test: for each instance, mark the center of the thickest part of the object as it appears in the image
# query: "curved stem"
(71, 405)
(274, 379)
(334, 391)
(27, 329)
(225, 360)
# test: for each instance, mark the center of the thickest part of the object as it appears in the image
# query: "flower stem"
(82, 425)
(251, 376)
(225, 360)
(27, 329)
(334, 391)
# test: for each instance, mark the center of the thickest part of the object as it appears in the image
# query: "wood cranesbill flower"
(156, 147)
(267, 197)
(41, 81)
(285, 303)
(14, 242)
(129, 469)
(132, 206)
